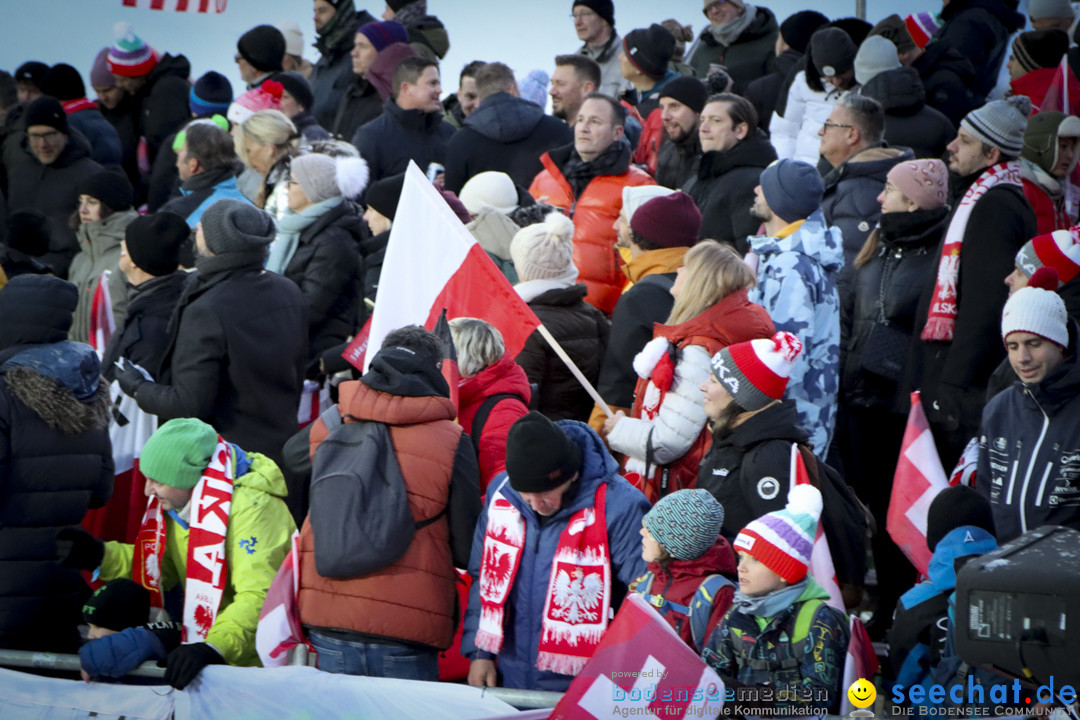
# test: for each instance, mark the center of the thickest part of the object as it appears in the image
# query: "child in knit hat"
(780, 633)
(691, 566)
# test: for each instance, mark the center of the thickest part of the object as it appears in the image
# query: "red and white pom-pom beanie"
(756, 372)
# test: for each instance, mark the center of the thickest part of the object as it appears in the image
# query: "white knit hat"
(489, 189)
(545, 251)
(294, 37)
(635, 197)
(1036, 311)
(876, 55)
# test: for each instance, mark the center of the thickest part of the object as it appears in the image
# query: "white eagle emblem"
(153, 571)
(575, 597)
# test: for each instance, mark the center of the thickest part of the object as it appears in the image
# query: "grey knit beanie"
(686, 523)
(317, 175)
(235, 226)
(1000, 123)
(792, 189)
(545, 251)
(876, 55)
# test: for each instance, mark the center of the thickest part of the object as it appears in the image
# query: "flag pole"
(574, 369)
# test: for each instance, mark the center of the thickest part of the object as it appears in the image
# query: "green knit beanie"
(178, 453)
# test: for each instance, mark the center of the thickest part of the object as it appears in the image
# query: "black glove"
(166, 632)
(186, 662)
(129, 377)
(76, 548)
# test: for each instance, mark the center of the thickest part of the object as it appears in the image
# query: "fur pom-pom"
(1046, 278)
(124, 31)
(646, 360)
(352, 176)
(804, 499)
(787, 345)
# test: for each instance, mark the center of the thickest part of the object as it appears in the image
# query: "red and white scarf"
(941, 321)
(579, 591)
(205, 572)
(74, 106)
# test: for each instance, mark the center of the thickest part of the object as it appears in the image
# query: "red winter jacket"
(594, 215)
(505, 376)
(1037, 85)
(1049, 216)
(680, 580)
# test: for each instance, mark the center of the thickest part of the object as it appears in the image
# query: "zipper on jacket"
(1031, 465)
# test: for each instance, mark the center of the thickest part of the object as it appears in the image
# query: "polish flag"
(202, 6)
(919, 478)
(278, 634)
(821, 564)
(102, 322)
(449, 363)
(433, 262)
(642, 668)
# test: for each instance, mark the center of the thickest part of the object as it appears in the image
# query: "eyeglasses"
(43, 137)
(837, 125)
(582, 15)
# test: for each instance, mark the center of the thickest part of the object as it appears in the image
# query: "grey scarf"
(729, 32)
(770, 604)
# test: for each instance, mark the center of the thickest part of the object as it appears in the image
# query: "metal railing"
(520, 699)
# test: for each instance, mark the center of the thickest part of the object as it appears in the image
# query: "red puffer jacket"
(594, 215)
(505, 376)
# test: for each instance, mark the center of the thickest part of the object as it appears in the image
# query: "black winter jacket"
(358, 104)
(145, 333)
(389, 141)
(333, 71)
(236, 354)
(164, 106)
(583, 332)
(947, 78)
(329, 271)
(55, 463)
(979, 30)
(505, 134)
(125, 118)
(909, 121)
(888, 286)
(724, 190)
(953, 376)
(678, 161)
(1029, 457)
(747, 59)
(764, 92)
(52, 190)
(104, 140)
(748, 468)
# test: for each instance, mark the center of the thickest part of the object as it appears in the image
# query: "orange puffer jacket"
(594, 215)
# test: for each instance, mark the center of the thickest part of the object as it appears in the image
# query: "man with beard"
(735, 151)
(574, 79)
(336, 23)
(681, 103)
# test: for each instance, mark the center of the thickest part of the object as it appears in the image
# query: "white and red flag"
(102, 321)
(279, 630)
(642, 668)
(202, 6)
(821, 564)
(433, 262)
(919, 478)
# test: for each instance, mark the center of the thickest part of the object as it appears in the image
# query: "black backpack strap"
(481, 417)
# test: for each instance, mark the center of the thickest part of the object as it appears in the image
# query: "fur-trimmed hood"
(61, 383)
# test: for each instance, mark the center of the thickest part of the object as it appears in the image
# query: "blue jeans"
(374, 659)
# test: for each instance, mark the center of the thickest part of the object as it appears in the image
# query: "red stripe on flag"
(478, 289)
(157, 4)
(181, 5)
(130, 3)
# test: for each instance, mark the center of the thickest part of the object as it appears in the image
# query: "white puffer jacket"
(795, 135)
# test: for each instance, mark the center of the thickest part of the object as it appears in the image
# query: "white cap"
(635, 197)
(1036, 311)
(489, 189)
(294, 37)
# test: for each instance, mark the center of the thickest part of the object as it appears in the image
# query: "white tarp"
(29, 697)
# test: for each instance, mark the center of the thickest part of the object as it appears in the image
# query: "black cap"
(688, 90)
(650, 49)
(28, 232)
(296, 85)
(264, 47)
(955, 507)
(46, 111)
(63, 82)
(111, 187)
(154, 242)
(385, 194)
(31, 72)
(798, 28)
(540, 456)
(118, 605)
(36, 310)
(833, 51)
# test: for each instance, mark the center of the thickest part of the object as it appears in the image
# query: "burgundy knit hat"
(668, 221)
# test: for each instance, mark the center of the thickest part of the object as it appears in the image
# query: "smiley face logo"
(862, 693)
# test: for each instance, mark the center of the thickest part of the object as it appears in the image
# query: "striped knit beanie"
(922, 27)
(265, 97)
(130, 56)
(783, 540)
(686, 523)
(1000, 123)
(756, 372)
(1038, 49)
(1059, 250)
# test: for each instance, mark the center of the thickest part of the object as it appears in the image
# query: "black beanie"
(688, 90)
(956, 507)
(47, 111)
(385, 194)
(604, 8)
(28, 232)
(36, 310)
(111, 187)
(798, 28)
(540, 456)
(118, 605)
(211, 93)
(64, 83)
(650, 49)
(264, 47)
(856, 28)
(833, 51)
(296, 85)
(154, 242)
(31, 72)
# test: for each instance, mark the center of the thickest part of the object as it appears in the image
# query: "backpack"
(803, 618)
(354, 472)
(698, 611)
(482, 413)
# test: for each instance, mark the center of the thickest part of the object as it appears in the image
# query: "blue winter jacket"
(626, 506)
(114, 656)
(104, 140)
(796, 283)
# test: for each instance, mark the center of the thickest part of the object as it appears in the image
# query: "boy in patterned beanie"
(780, 632)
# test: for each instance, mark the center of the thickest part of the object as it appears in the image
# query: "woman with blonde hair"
(493, 393)
(666, 436)
(265, 143)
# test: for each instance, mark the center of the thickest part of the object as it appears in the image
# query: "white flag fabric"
(202, 6)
